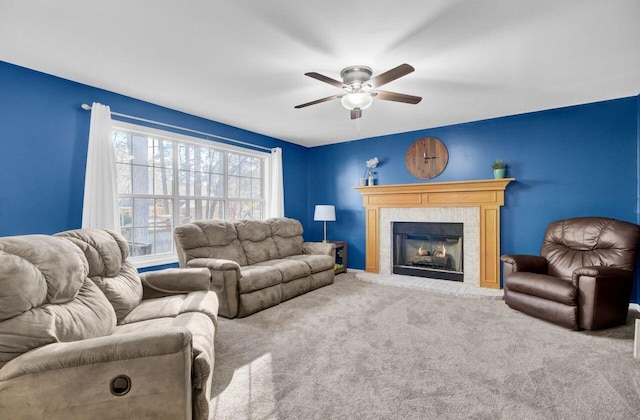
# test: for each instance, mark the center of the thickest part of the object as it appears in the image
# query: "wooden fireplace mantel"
(487, 195)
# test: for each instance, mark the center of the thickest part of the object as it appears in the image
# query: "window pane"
(256, 188)
(142, 182)
(123, 175)
(122, 147)
(163, 153)
(194, 210)
(233, 164)
(245, 187)
(163, 181)
(256, 168)
(244, 209)
(234, 186)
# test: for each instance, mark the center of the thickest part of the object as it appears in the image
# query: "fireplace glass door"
(428, 249)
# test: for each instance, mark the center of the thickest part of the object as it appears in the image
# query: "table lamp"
(325, 214)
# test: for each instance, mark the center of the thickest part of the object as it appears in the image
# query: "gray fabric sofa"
(255, 264)
(82, 335)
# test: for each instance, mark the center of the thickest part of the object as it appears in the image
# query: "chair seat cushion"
(542, 286)
(317, 263)
(289, 269)
(258, 277)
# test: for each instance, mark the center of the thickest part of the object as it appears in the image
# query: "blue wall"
(568, 162)
(573, 161)
(43, 133)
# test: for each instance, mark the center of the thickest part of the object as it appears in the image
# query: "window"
(166, 179)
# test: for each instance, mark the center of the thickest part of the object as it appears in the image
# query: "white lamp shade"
(325, 213)
(356, 100)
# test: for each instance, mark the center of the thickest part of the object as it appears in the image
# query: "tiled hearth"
(454, 288)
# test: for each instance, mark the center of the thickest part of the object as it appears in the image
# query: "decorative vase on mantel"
(499, 169)
(371, 180)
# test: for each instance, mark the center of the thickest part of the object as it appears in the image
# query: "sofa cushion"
(543, 286)
(287, 236)
(255, 237)
(256, 277)
(289, 269)
(46, 297)
(174, 305)
(106, 252)
(209, 239)
(316, 263)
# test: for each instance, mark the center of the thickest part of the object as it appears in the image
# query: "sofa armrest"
(225, 278)
(214, 264)
(318, 248)
(526, 263)
(603, 295)
(92, 351)
(174, 281)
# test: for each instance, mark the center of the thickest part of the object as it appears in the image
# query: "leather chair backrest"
(106, 252)
(589, 241)
(208, 239)
(46, 296)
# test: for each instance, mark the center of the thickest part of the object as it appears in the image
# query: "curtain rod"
(88, 108)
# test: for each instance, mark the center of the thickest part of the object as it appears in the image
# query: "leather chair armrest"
(318, 248)
(174, 281)
(225, 278)
(116, 347)
(604, 272)
(603, 296)
(526, 263)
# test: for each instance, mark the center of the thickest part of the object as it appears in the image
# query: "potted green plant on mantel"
(499, 168)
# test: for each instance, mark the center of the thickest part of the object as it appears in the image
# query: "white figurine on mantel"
(371, 163)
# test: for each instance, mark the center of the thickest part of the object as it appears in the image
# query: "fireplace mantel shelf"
(487, 195)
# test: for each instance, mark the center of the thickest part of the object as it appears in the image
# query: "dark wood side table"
(341, 257)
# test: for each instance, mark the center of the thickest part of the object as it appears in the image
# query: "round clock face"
(426, 158)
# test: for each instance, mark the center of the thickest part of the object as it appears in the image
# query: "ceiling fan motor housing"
(356, 76)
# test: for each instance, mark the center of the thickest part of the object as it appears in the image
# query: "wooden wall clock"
(426, 158)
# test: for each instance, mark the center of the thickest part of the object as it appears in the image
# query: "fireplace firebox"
(427, 249)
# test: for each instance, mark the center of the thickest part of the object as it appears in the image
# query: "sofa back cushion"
(589, 241)
(106, 252)
(46, 296)
(255, 237)
(287, 235)
(208, 239)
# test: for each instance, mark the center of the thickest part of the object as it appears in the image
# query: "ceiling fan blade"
(356, 113)
(397, 97)
(391, 75)
(319, 101)
(325, 79)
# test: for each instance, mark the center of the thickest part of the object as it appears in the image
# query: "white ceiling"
(243, 62)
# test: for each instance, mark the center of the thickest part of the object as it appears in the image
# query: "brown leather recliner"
(582, 279)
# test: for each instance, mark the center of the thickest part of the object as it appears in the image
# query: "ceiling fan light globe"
(356, 100)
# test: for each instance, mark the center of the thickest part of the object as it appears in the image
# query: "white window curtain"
(274, 188)
(100, 207)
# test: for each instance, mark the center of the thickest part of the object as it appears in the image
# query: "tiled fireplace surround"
(476, 204)
(468, 216)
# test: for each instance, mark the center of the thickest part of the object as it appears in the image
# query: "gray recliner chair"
(83, 336)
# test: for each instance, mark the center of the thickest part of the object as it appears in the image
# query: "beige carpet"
(356, 350)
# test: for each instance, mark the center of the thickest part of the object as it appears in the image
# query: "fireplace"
(427, 249)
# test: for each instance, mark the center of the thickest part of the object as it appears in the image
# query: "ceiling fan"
(360, 88)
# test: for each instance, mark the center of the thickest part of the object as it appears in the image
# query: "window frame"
(176, 139)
